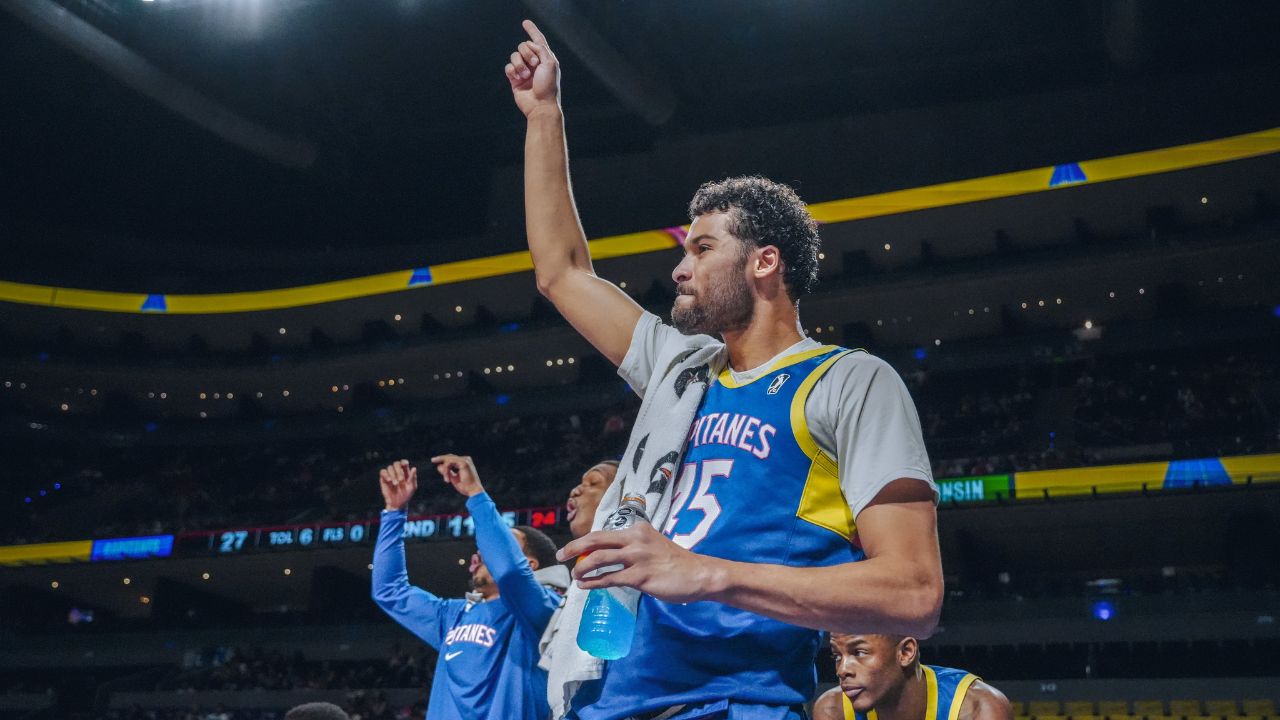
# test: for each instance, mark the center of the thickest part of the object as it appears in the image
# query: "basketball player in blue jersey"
(881, 678)
(805, 498)
(488, 643)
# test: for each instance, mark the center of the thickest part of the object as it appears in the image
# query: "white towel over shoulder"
(680, 378)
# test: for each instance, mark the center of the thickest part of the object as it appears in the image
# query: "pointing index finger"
(535, 34)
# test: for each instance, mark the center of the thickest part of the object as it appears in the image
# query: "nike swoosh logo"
(452, 655)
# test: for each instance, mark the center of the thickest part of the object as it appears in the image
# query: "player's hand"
(534, 73)
(460, 472)
(399, 481)
(651, 563)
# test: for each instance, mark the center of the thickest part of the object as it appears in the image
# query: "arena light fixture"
(1103, 610)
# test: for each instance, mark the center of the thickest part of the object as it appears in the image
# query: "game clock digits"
(237, 541)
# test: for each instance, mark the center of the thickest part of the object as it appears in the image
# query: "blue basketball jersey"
(753, 487)
(946, 687)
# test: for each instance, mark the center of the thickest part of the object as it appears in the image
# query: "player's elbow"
(551, 282)
(384, 594)
(924, 605)
(545, 280)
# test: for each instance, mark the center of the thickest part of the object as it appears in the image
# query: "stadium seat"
(1247, 717)
(1078, 708)
(1043, 708)
(1051, 717)
(1221, 708)
(1086, 717)
(1022, 717)
(1204, 717)
(1184, 708)
(1148, 708)
(1258, 707)
(1113, 708)
(1164, 717)
(1124, 717)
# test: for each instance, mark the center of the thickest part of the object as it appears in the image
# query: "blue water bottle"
(609, 616)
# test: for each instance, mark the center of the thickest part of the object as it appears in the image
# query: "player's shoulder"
(984, 702)
(857, 365)
(829, 705)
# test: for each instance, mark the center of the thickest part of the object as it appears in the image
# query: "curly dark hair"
(763, 212)
(539, 546)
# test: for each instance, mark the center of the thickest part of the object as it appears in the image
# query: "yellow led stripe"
(288, 297)
(1023, 182)
(45, 552)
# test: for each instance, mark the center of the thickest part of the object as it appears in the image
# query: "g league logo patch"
(777, 383)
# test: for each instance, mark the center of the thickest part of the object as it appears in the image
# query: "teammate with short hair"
(488, 643)
(805, 497)
(580, 509)
(881, 678)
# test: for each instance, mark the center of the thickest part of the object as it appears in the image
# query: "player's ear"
(533, 562)
(765, 260)
(908, 651)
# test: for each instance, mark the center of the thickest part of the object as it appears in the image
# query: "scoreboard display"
(238, 541)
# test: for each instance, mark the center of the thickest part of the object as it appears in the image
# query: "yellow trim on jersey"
(958, 698)
(931, 705)
(726, 375)
(822, 502)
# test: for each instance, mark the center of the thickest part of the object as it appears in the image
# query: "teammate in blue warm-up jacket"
(488, 643)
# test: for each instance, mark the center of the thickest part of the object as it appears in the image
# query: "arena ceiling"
(362, 133)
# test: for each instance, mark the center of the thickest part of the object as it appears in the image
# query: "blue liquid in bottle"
(607, 626)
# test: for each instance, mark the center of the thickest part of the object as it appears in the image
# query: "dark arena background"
(253, 250)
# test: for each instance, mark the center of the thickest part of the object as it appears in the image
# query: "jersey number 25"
(694, 487)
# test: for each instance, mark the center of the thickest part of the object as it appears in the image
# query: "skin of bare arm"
(898, 531)
(596, 308)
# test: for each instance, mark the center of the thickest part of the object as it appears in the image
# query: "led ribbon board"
(1025, 182)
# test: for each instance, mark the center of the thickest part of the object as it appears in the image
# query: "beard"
(480, 581)
(724, 307)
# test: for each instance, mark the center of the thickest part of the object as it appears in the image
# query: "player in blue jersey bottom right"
(881, 678)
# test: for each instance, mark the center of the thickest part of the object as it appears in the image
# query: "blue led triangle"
(421, 276)
(1185, 473)
(1068, 174)
(155, 303)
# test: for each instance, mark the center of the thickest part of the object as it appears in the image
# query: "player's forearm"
(877, 595)
(390, 578)
(556, 239)
(494, 541)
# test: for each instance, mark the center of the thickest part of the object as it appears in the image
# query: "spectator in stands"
(488, 643)
(883, 673)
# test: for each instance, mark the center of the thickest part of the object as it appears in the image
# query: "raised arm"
(511, 571)
(420, 612)
(595, 307)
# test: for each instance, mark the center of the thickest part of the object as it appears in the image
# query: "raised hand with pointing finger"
(460, 472)
(534, 73)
